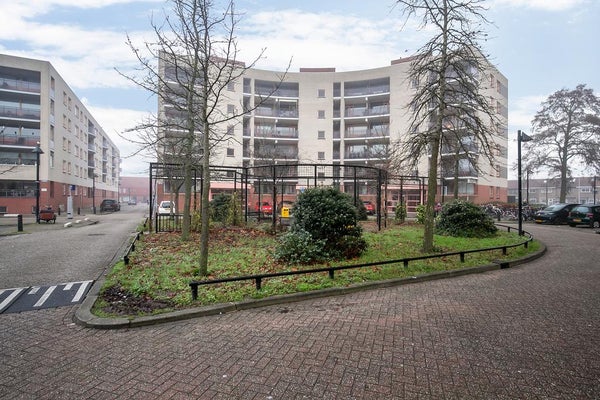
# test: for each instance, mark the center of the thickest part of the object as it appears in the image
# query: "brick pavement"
(529, 332)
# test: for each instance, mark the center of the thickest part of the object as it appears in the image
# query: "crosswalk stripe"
(33, 290)
(9, 299)
(45, 296)
(81, 291)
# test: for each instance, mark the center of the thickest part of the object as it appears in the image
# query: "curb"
(84, 317)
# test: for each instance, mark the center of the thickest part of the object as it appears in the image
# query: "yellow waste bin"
(285, 212)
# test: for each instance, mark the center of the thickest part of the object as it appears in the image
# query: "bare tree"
(565, 130)
(196, 49)
(448, 106)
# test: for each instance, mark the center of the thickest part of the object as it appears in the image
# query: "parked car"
(369, 206)
(554, 214)
(585, 215)
(164, 208)
(132, 202)
(109, 205)
(265, 208)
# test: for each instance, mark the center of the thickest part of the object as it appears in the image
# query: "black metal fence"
(274, 185)
(258, 279)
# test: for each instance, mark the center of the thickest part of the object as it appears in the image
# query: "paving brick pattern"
(530, 332)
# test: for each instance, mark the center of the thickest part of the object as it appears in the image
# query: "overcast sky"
(541, 46)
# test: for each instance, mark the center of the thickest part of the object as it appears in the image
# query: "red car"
(265, 208)
(370, 207)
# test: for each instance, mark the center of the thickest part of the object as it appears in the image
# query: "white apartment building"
(79, 165)
(319, 115)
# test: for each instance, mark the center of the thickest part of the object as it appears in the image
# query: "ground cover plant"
(160, 269)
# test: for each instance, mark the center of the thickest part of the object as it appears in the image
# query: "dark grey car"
(554, 214)
(109, 205)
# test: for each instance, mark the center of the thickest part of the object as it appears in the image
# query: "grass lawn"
(158, 275)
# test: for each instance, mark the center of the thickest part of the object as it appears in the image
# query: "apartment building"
(538, 191)
(322, 116)
(78, 165)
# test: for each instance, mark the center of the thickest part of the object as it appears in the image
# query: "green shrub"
(362, 211)
(420, 214)
(299, 247)
(219, 207)
(400, 213)
(463, 219)
(330, 219)
(234, 210)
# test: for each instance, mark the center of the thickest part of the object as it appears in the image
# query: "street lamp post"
(521, 137)
(38, 151)
(546, 183)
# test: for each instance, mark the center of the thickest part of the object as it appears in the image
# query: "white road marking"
(81, 291)
(33, 290)
(45, 296)
(7, 301)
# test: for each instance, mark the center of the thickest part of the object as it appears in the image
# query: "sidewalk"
(9, 224)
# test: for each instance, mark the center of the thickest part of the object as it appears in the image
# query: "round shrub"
(330, 218)
(299, 247)
(400, 213)
(463, 219)
(362, 211)
(219, 207)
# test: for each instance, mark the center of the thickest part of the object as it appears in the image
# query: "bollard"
(78, 211)
(19, 223)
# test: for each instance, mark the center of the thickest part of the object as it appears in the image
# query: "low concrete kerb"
(84, 317)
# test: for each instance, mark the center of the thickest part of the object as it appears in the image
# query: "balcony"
(364, 132)
(276, 113)
(367, 111)
(20, 85)
(261, 131)
(21, 112)
(367, 88)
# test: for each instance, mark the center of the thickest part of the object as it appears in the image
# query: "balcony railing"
(271, 112)
(30, 141)
(21, 86)
(366, 90)
(278, 133)
(19, 112)
(365, 112)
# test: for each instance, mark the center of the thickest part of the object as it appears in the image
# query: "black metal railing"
(131, 247)
(332, 269)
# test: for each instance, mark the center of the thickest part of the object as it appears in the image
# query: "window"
(321, 155)
(230, 129)
(231, 86)
(230, 152)
(321, 134)
(321, 114)
(321, 93)
(51, 158)
(230, 109)
(65, 98)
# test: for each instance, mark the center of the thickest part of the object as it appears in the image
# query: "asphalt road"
(529, 332)
(50, 253)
